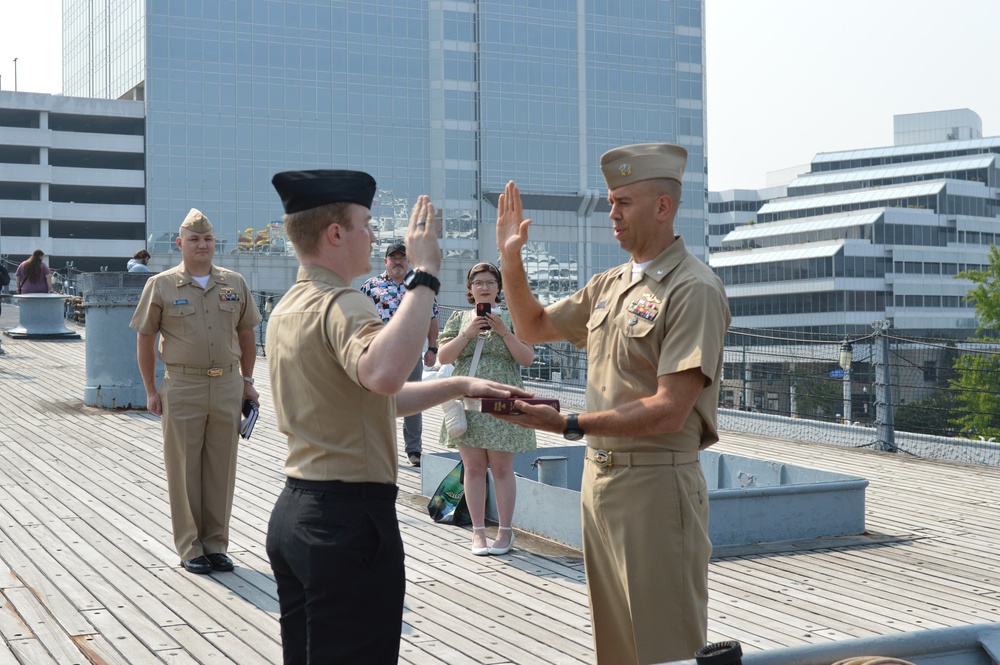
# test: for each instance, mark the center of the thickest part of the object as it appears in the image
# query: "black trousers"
(337, 557)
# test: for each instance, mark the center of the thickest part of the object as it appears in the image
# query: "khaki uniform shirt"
(336, 429)
(672, 318)
(197, 326)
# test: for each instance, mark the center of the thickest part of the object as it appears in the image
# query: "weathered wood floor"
(89, 573)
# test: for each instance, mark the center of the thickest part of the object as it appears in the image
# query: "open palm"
(512, 227)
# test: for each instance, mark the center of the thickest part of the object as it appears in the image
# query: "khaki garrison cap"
(197, 222)
(644, 161)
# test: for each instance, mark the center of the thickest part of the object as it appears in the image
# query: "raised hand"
(512, 228)
(422, 246)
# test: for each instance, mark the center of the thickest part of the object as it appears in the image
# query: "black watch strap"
(572, 431)
(421, 278)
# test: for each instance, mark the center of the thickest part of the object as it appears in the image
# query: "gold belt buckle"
(215, 371)
(602, 458)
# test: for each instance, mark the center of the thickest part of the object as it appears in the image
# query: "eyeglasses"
(490, 283)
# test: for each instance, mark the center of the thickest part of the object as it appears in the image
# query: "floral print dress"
(496, 363)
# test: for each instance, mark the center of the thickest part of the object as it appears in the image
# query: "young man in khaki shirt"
(338, 376)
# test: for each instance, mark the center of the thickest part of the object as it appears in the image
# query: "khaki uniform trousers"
(646, 551)
(201, 416)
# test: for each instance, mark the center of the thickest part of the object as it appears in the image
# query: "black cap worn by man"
(304, 190)
(395, 247)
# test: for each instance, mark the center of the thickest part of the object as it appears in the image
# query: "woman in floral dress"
(488, 443)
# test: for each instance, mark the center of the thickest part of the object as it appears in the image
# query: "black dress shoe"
(199, 565)
(414, 459)
(220, 562)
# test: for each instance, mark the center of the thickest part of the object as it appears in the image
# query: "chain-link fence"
(885, 390)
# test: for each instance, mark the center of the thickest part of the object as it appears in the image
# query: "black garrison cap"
(304, 190)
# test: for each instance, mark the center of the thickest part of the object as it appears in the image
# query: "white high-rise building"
(872, 234)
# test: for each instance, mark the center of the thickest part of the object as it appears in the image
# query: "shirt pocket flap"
(180, 310)
(631, 325)
(597, 318)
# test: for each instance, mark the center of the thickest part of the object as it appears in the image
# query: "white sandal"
(479, 551)
(510, 545)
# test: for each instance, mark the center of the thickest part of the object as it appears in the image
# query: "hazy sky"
(786, 78)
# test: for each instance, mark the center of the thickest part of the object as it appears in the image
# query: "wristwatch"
(248, 379)
(432, 349)
(421, 278)
(573, 431)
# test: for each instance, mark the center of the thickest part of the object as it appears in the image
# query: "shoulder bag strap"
(475, 355)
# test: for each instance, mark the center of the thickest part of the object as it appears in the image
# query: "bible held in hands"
(250, 411)
(505, 404)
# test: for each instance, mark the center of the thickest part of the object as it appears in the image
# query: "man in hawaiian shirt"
(387, 291)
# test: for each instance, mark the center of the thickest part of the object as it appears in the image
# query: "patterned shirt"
(387, 295)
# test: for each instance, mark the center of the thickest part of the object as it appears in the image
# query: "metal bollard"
(552, 470)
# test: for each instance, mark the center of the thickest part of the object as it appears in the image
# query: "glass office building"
(451, 98)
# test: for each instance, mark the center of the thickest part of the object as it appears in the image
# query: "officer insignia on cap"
(643, 308)
(625, 169)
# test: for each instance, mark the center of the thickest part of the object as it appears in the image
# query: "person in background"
(33, 276)
(4, 280)
(487, 444)
(338, 377)
(205, 317)
(654, 330)
(138, 263)
(387, 291)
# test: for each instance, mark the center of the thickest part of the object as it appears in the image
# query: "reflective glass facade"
(445, 97)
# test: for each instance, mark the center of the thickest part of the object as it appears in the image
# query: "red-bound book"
(505, 404)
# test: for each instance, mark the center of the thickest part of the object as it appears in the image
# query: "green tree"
(977, 391)
(930, 415)
(985, 295)
(977, 384)
(817, 395)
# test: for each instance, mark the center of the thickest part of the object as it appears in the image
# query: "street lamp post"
(846, 356)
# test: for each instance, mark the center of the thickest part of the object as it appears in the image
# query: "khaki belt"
(202, 371)
(606, 458)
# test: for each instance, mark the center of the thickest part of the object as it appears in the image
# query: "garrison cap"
(304, 190)
(196, 222)
(395, 247)
(643, 161)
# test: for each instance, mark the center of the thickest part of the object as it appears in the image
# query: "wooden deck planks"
(91, 574)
